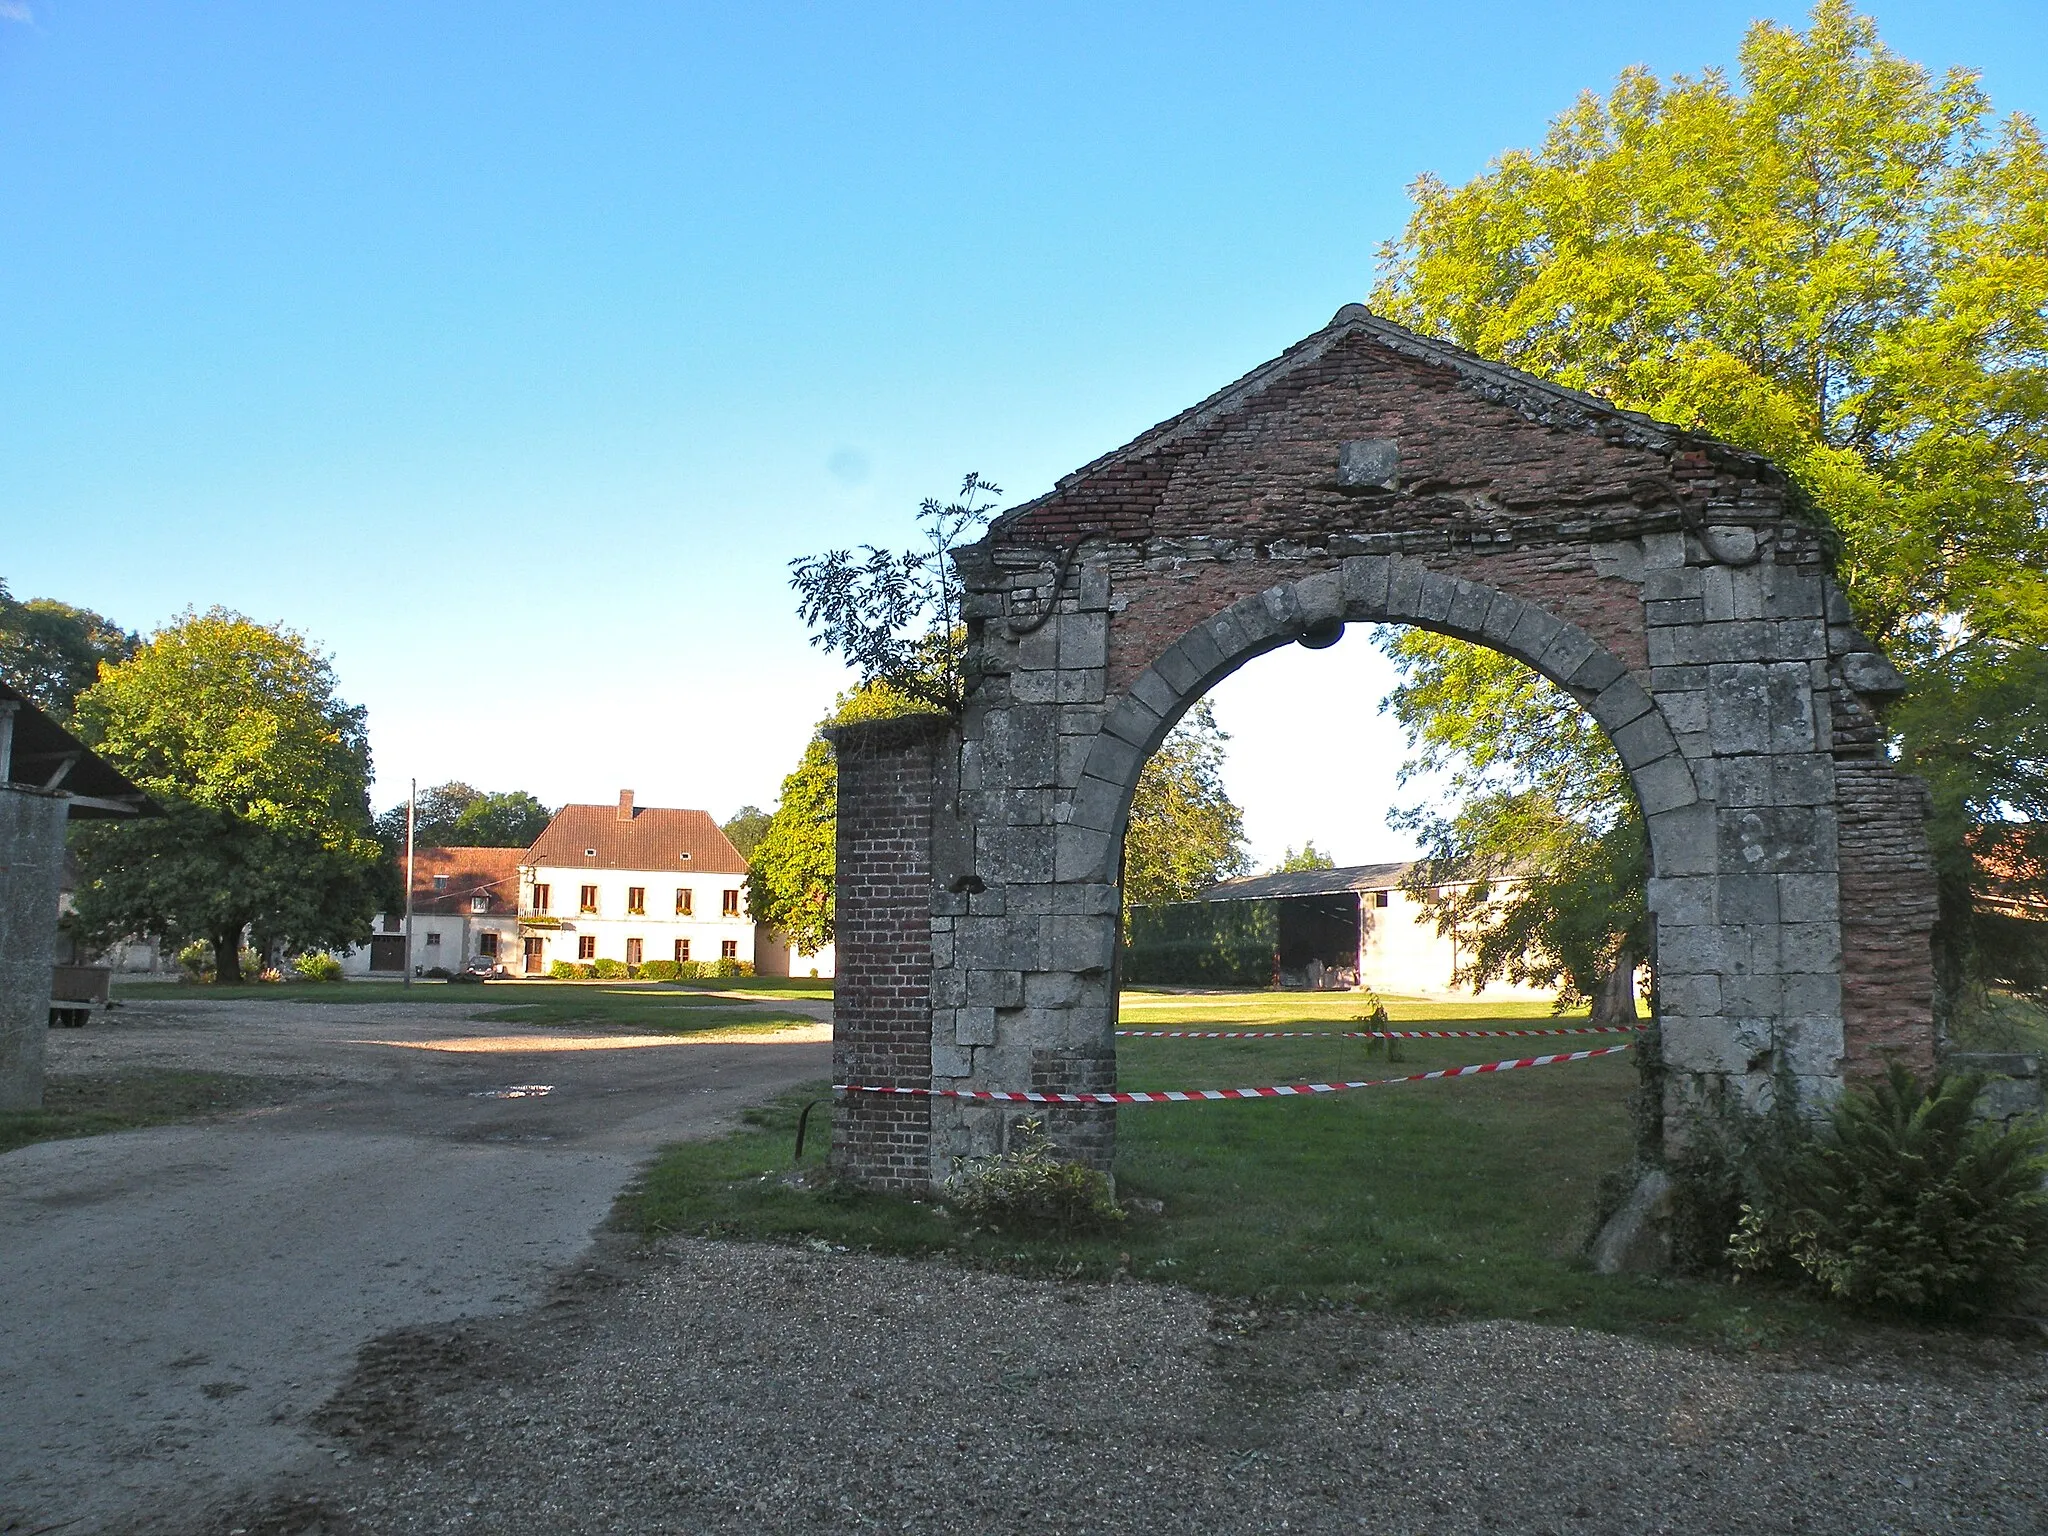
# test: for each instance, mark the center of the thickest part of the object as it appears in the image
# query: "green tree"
(1538, 868)
(1185, 833)
(263, 773)
(458, 815)
(1842, 262)
(792, 866)
(53, 652)
(896, 617)
(745, 828)
(1308, 857)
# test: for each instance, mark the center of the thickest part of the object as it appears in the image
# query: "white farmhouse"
(633, 884)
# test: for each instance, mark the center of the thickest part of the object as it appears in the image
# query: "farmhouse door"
(533, 956)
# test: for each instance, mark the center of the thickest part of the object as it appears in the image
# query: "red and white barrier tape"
(1199, 1095)
(1371, 1034)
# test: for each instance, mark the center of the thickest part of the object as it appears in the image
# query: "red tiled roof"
(464, 873)
(646, 837)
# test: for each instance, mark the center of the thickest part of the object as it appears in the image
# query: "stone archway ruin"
(1368, 474)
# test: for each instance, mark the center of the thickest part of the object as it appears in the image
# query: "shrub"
(1032, 1187)
(563, 970)
(658, 970)
(436, 973)
(1213, 943)
(610, 970)
(1901, 1203)
(689, 970)
(196, 961)
(317, 967)
(585, 972)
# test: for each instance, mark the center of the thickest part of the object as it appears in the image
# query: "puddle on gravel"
(517, 1091)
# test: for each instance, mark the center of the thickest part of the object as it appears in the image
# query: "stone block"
(1404, 588)
(1811, 1046)
(1563, 657)
(1177, 668)
(974, 1026)
(1433, 601)
(1644, 740)
(1799, 639)
(1662, 551)
(1596, 672)
(1083, 639)
(1691, 948)
(1134, 721)
(1682, 840)
(1662, 786)
(1671, 584)
(1081, 854)
(1692, 997)
(1319, 597)
(1684, 900)
(1202, 652)
(1534, 634)
(1113, 757)
(1232, 643)
(1803, 779)
(1265, 615)
(1052, 989)
(949, 984)
(1467, 617)
(1810, 898)
(1816, 993)
(1037, 687)
(1364, 583)
(1723, 1044)
(1810, 948)
(1748, 898)
(1619, 702)
(1676, 646)
(995, 989)
(1621, 560)
(1098, 804)
(1776, 839)
(1758, 995)
(1081, 944)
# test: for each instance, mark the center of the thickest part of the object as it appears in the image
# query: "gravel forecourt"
(704, 1386)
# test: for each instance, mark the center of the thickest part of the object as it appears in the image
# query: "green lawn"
(641, 1007)
(1468, 1197)
(92, 1105)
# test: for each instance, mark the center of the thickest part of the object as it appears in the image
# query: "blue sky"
(509, 351)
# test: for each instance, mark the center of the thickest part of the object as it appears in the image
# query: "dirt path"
(178, 1301)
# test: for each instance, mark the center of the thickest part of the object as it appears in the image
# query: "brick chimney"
(625, 805)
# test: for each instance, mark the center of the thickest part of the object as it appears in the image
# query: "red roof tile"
(444, 879)
(642, 837)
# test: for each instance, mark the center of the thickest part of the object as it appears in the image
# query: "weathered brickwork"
(1888, 911)
(883, 932)
(1370, 476)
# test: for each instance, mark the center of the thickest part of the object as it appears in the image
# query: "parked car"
(487, 966)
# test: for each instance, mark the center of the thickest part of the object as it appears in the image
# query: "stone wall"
(31, 869)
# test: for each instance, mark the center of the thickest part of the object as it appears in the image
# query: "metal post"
(412, 796)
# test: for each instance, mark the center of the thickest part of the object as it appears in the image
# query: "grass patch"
(94, 1105)
(640, 1008)
(1465, 1198)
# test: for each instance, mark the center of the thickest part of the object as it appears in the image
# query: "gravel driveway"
(179, 1300)
(711, 1387)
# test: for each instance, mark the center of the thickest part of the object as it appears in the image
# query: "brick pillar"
(881, 1008)
(1888, 911)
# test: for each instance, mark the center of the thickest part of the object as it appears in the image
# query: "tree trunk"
(1614, 1000)
(227, 958)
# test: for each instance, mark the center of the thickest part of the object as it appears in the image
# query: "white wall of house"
(449, 940)
(774, 955)
(707, 927)
(1402, 955)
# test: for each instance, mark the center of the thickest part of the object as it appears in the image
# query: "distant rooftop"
(1308, 882)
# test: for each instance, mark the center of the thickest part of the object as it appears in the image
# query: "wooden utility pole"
(412, 800)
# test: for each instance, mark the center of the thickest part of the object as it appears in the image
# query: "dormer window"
(479, 903)
(440, 882)
(590, 853)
